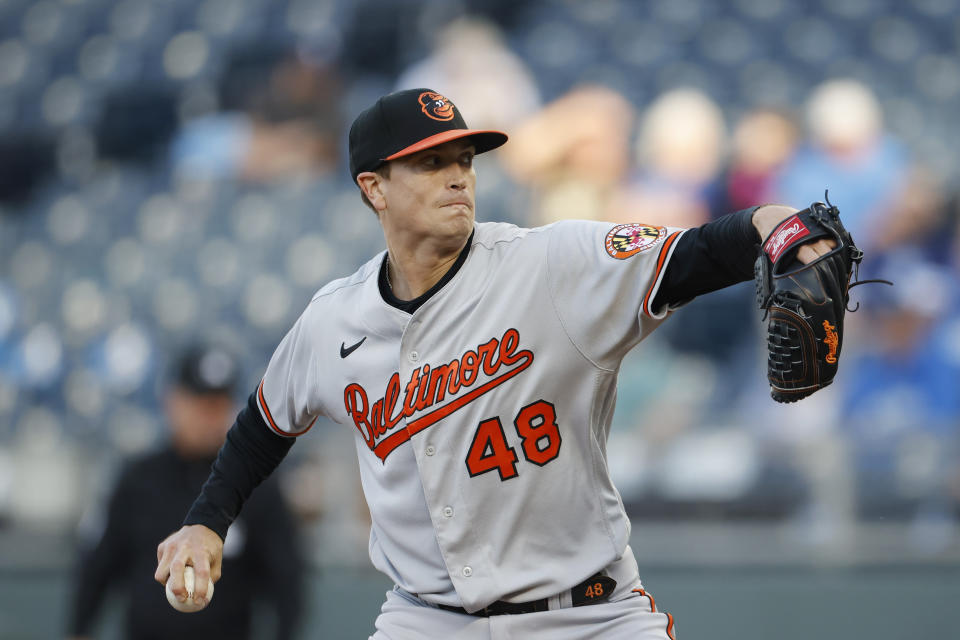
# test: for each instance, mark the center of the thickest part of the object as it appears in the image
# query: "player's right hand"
(194, 545)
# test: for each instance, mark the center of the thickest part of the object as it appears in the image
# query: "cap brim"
(482, 140)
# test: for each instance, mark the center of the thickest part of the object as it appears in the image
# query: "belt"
(594, 590)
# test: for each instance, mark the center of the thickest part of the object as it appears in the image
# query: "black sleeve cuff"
(251, 452)
(710, 257)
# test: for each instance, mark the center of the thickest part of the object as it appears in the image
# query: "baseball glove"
(805, 303)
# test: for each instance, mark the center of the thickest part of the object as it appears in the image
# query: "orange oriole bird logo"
(436, 106)
(832, 341)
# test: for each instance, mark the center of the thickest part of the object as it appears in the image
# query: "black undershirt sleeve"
(710, 257)
(251, 452)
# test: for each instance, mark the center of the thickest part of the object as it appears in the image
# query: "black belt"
(595, 589)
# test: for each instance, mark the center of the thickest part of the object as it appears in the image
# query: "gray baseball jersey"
(481, 419)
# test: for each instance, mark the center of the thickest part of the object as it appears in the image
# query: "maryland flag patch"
(626, 240)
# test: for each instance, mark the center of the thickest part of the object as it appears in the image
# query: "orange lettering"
(376, 418)
(487, 352)
(428, 386)
(445, 374)
(424, 393)
(410, 396)
(509, 342)
(390, 401)
(355, 400)
(454, 385)
(469, 369)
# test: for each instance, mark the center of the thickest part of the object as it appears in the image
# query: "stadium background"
(172, 169)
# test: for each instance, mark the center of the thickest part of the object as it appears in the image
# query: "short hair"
(384, 172)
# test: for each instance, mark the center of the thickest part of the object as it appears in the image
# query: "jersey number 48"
(536, 424)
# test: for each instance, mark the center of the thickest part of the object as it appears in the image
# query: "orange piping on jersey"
(273, 425)
(661, 260)
(653, 608)
(653, 603)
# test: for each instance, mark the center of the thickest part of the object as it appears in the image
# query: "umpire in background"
(149, 500)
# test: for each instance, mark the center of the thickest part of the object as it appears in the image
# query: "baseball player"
(476, 366)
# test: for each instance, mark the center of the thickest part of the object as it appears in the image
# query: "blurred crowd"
(173, 171)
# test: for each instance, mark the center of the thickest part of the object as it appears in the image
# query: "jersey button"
(467, 572)
(430, 450)
(414, 356)
(448, 512)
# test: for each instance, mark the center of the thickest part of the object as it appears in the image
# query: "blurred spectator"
(918, 220)
(25, 161)
(261, 553)
(682, 137)
(849, 154)
(135, 123)
(952, 220)
(280, 119)
(907, 378)
(763, 140)
(574, 154)
(680, 148)
(471, 60)
(901, 403)
(379, 34)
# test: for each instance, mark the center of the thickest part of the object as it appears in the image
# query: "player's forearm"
(710, 257)
(250, 454)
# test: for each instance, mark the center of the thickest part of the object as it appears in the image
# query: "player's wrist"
(766, 217)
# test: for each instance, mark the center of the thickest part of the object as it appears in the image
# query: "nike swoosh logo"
(345, 350)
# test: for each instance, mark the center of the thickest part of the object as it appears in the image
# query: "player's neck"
(412, 271)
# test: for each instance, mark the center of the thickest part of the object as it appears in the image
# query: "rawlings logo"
(785, 235)
(429, 386)
(831, 340)
(436, 106)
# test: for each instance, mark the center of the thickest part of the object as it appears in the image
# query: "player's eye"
(466, 159)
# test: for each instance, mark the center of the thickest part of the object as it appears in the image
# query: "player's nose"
(457, 182)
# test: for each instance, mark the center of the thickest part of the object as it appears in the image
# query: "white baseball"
(188, 605)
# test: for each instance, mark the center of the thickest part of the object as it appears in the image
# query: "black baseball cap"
(206, 369)
(402, 123)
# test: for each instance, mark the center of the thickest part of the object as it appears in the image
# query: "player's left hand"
(766, 219)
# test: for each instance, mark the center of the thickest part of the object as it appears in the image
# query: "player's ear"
(371, 184)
